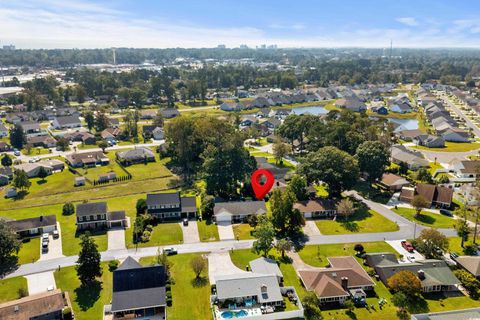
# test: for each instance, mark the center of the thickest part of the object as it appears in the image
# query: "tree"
(298, 185)
(349, 305)
(405, 282)
(101, 121)
(310, 306)
(88, 263)
(419, 203)
(400, 300)
(198, 263)
(68, 209)
(42, 173)
(345, 207)
(162, 260)
(280, 150)
(20, 180)
(285, 218)
(429, 241)
(158, 120)
(63, 144)
(403, 167)
(265, 234)
(372, 158)
(469, 282)
(141, 206)
(463, 230)
(283, 245)
(208, 202)
(359, 248)
(6, 160)
(335, 167)
(103, 145)
(17, 137)
(9, 248)
(424, 175)
(90, 120)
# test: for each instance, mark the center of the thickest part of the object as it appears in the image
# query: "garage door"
(223, 218)
(48, 229)
(116, 224)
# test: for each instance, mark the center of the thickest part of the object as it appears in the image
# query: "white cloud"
(296, 26)
(408, 21)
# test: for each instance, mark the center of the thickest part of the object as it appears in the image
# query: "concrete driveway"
(54, 247)
(190, 232)
(311, 228)
(116, 239)
(408, 256)
(225, 230)
(40, 282)
(219, 263)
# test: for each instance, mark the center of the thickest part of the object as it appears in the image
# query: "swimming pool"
(234, 314)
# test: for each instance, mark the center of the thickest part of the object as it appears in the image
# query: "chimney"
(41, 218)
(421, 274)
(345, 283)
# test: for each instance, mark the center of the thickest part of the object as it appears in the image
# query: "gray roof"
(466, 314)
(65, 120)
(31, 223)
(240, 208)
(116, 215)
(86, 209)
(138, 299)
(163, 198)
(135, 154)
(248, 284)
(264, 265)
(189, 204)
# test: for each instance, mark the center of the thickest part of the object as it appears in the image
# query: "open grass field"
(453, 147)
(30, 251)
(191, 298)
(243, 231)
(207, 231)
(87, 302)
(426, 218)
(362, 221)
(9, 288)
(162, 234)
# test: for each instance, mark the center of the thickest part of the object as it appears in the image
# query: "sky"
(208, 23)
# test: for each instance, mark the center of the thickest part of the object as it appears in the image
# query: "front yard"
(363, 221)
(453, 147)
(426, 218)
(9, 288)
(207, 231)
(162, 234)
(30, 251)
(243, 231)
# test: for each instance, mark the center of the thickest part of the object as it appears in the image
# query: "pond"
(407, 124)
(314, 110)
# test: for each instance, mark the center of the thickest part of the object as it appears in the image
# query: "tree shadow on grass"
(40, 182)
(351, 226)
(351, 314)
(8, 265)
(417, 305)
(87, 295)
(199, 282)
(425, 219)
(21, 195)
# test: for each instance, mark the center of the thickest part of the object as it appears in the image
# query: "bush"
(113, 265)
(169, 294)
(67, 313)
(149, 228)
(146, 236)
(359, 248)
(168, 287)
(470, 250)
(68, 209)
(22, 292)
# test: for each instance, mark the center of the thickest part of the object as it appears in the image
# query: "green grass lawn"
(150, 170)
(30, 250)
(426, 218)
(163, 234)
(362, 221)
(191, 298)
(207, 231)
(453, 147)
(87, 302)
(372, 192)
(9, 288)
(434, 166)
(316, 255)
(243, 231)
(455, 244)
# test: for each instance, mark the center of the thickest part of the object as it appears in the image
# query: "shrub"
(68, 209)
(470, 250)
(67, 313)
(149, 228)
(146, 236)
(113, 265)
(22, 292)
(168, 287)
(359, 248)
(169, 294)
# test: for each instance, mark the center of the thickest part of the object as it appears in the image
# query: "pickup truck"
(407, 246)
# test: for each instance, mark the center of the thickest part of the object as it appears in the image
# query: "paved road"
(460, 113)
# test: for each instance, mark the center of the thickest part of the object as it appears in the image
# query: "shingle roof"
(315, 205)
(470, 263)
(116, 215)
(32, 306)
(68, 120)
(189, 204)
(240, 208)
(248, 284)
(136, 154)
(30, 223)
(163, 198)
(86, 209)
(264, 265)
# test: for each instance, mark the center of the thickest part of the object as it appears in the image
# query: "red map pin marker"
(261, 190)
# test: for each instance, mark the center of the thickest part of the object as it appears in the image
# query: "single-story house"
(30, 127)
(34, 226)
(401, 107)
(41, 141)
(413, 159)
(238, 210)
(41, 306)
(171, 205)
(231, 106)
(84, 137)
(317, 208)
(137, 155)
(138, 291)
(3, 130)
(66, 122)
(465, 168)
(95, 215)
(456, 135)
(464, 314)
(438, 196)
(87, 159)
(335, 283)
(32, 169)
(394, 182)
(264, 265)
(4, 147)
(409, 135)
(153, 131)
(429, 141)
(471, 264)
(169, 113)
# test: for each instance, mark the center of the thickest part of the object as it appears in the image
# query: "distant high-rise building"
(263, 46)
(273, 46)
(9, 47)
(221, 46)
(243, 46)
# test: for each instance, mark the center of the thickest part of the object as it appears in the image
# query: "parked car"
(446, 212)
(185, 222)
(453, 255)
(45, 237)
(16, 152)
(407, 246)
(55, 234)
(44, 246)
(170, 251)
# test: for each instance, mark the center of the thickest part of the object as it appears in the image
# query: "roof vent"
(421, 274)
(16, 309)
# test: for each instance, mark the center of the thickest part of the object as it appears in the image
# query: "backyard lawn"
(426, 218)
(243, 231)
(362, 221)
(191, 298)
(87, 302)
(455, 244)
(9, 288)
(207, 231)
(30, 250)
(453, 147)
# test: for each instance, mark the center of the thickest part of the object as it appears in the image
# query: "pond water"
(408, 124)
(314, 110)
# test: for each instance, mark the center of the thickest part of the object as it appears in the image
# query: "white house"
(238, 210)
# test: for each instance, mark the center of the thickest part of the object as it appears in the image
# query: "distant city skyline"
(190, 23)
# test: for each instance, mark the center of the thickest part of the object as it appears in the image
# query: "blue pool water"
(241, 313)
(227, 315)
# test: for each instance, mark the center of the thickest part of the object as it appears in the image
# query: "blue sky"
(190, 23)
